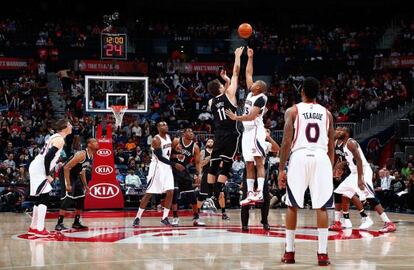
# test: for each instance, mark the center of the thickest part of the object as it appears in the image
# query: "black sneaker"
(225, 217)
(165, 222)
(60, 227)
(266, 227)
(136, 222)
(78, 226)
(245, 228)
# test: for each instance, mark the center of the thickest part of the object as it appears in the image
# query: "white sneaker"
(175, 222)
(366, 222)
(347, 224)
(257, 197)
(248, 199)
(198, 222)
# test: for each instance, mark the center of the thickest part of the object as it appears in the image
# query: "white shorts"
(38, 180)
(349, 187)
(254, 143)
(313, 169)
(160, 178)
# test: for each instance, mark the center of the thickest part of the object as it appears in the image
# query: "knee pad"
(373, 202)
(337, 198)
(218, 189)
(44, 198)
(192, 199)
(79, 203)
(214, 166)
(225, 170)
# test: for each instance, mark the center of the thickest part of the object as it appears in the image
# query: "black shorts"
(183, 180)
(226, 144)
(78, 189)
(204, 184)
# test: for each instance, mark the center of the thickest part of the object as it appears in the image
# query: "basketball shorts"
(225, 144)
(349, 187)
(183, 181)
(38, 180)
(313, 169)
(160, 178)
(77, 191)
(254, 143)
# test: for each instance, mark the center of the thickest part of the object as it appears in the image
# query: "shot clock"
(113, 46)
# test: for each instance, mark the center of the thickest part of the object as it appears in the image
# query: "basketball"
(245, 30)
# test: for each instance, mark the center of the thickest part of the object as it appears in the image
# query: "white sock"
(250, 185)
(322, 240)
(33, 225)
(41, 215)
(140, 212)
(260, 184)
(338, 215)
(384, 217)
(165, 213)
(290, 240)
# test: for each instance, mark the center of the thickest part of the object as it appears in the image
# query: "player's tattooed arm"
(249, 68)
(231, 90)
(77, 158)
(331, 139)
(204, 160)
(290, 116)
(353, 147)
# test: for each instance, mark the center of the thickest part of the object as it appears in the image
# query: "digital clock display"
(113, 46)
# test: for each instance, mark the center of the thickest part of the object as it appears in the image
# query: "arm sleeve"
(49, 157)
(260, 102)
(158, 154)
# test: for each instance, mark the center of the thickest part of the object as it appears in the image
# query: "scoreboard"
(114, 46)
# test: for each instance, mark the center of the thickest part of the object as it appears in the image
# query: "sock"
(338, 215)
(362, 213)
(384, 217)
(140, 212)
(290, 240)
(165, 213)
(60, 219)
(260, 184)
(250, 185)
(196, 216)
(33, 225)
(346, 215)
(77, 218)
(41, 214)
(175, 214)
(322, 240)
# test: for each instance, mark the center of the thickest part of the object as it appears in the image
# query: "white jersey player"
(160, 176)
(40, 171)
(359, 182)
(254, 135)
(309, 137)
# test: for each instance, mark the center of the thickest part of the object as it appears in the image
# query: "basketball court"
(112, 243)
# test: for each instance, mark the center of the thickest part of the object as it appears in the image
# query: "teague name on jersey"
(308, 115)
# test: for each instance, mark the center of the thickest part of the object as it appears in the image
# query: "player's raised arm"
(331, 138)
(290, 116)
(223, 75)
(231, 90)
(249, 68)
(353, 147)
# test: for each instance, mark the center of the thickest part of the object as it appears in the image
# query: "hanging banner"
(13, 63)
(110, 66)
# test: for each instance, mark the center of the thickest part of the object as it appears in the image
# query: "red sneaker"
(323, 259)
(31, 231)
(43, 233)
(337, 226)
(389, 227)
(288, 257)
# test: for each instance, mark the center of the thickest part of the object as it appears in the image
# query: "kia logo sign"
(104, 170)
(104, 191)
(104, 152)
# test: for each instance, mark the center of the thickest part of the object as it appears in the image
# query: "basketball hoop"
(118, 111)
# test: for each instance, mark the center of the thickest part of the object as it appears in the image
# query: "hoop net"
(118, 111)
